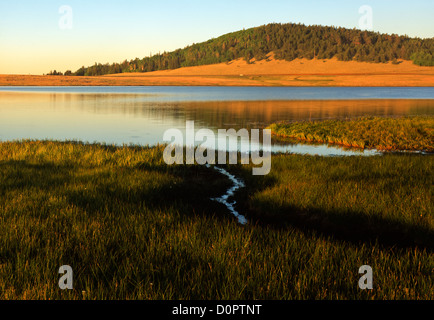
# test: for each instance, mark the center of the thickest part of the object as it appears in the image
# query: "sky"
(39, 36)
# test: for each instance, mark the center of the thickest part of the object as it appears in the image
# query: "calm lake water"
(141, 115)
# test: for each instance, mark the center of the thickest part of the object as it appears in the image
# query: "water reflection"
(142, 118)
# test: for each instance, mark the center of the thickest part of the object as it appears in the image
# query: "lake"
(141, 115)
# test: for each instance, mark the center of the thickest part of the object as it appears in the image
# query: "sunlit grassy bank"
(405, 133)
(132, 227)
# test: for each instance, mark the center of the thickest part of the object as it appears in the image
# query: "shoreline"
(364, 133)
(373, 81)
(237, 73)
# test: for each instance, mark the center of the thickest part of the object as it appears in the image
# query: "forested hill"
(287, 41)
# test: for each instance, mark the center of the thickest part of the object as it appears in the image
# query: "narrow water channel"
(224, 199)
(237, 183)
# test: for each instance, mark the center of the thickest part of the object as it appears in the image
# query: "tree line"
(288, 42)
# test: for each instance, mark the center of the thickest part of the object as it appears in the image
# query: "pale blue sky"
(31, 40)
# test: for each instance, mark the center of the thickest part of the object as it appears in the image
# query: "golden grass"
(404, 133)
(133, 228)
(271, 72)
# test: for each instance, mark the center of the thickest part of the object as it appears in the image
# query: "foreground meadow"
(132, 227)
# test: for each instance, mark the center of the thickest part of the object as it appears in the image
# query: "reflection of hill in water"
(143, 118)
(221, 113)
(249, 114)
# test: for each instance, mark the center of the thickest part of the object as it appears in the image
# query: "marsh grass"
(402, 133)
(379, 198)
(132, 227)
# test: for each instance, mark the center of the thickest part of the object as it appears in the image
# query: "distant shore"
(271, 72)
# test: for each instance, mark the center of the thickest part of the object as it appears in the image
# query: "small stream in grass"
(228, 200)
(238, 183)
(224, 199)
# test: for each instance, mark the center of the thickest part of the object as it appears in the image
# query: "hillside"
(268, 72)
(288, 42)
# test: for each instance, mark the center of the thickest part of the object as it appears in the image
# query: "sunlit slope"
(269, 72)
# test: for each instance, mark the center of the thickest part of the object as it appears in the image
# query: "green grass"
(404, 133)
(380, 198)
(132, 227)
